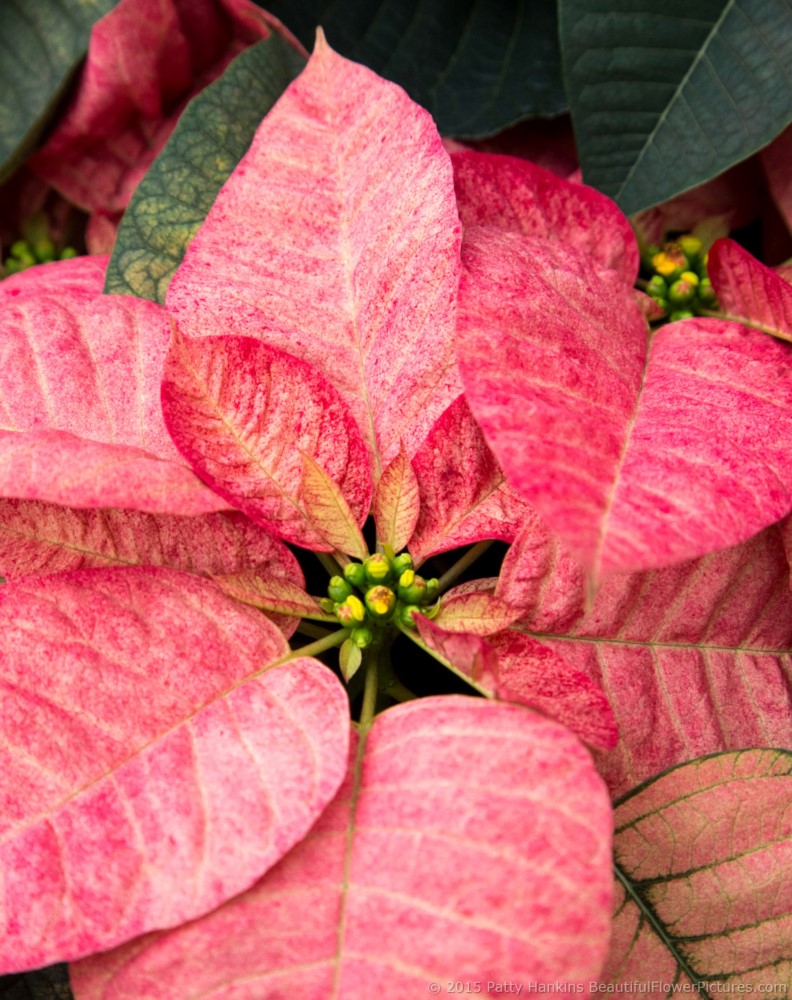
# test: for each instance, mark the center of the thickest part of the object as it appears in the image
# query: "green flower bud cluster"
(679, 283)
(35, 247)
(378, 592)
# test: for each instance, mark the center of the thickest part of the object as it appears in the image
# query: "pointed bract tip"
(321, 44)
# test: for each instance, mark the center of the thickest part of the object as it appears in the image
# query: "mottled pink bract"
(433, 863)
(142, 736)
(518, 196)
(242, 412)
(636, 456)
(337, 239)
(146, 59)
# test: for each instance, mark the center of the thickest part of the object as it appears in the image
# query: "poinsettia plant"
(520, 445)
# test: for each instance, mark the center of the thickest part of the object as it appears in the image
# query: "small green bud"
(406, 614)
(20, 249)
(362, 637)
(706, 294)
(44, 250)
(401, 563)
(351, 613)
(663, 304)
(681, 292)
(691, 277)
(338, 589)
(355, 574)
(680, 314)
(14, 266)
(67, 253)
(432, 589)
(656, 286)
(380, 602)
(378, 568)
(691, 246)
(413, 592)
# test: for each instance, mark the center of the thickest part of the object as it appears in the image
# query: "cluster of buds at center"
(35, 247)
(379, 591)
(679, 283)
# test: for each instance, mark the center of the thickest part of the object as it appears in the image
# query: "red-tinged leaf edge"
(513, 667)
(243, 414)
(513, 194)
(748, 291)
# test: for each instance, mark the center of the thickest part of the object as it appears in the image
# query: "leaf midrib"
(652, 644)
(648, 143)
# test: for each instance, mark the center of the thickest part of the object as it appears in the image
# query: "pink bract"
(353, 269)
(457, 854)
(146, 59)
(103, 704)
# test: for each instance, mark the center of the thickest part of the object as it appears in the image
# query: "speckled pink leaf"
(694, 658)
(80, 418)
(242, 412)
(397, 502)
(143, 734)
(704, 850)
(747, 290)
(327, 511)
(513, 194)
(479, 613)
(337, 240)
(454, 865)
(271, 592)
(61, 468)
(511, 666)
(636, 457)
(464, 496)
(44, 538)
(146, 59)
(80, 274)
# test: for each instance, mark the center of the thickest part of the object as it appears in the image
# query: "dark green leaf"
(51, 983)
(174, 197)
(476, 65)
(667, 95)
(41, 44)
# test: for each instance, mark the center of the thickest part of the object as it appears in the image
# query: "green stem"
(371, 666)
(315, 648)
(773, 331)
(463, 563)
(329, 563)
(314, 631)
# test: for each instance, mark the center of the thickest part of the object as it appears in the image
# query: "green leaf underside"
(688, 951)
(176, 194)
(41, 45)
(667, 96)
(477, 67)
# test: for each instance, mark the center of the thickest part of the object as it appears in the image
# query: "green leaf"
(41, 44)
(701, 859)
(666, 95)
(176, 194)
(476, 66)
